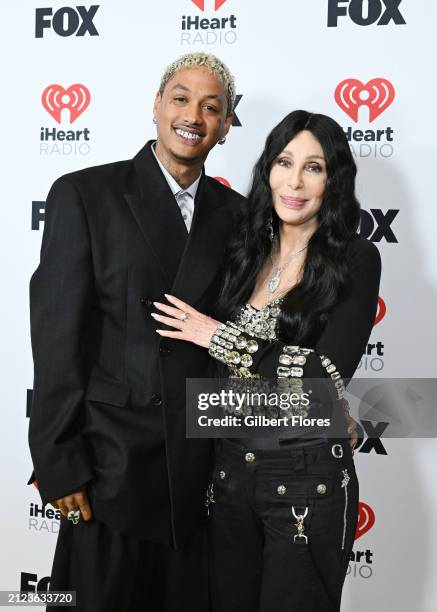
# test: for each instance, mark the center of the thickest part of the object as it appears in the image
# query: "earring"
(154, 120)
(222, 140)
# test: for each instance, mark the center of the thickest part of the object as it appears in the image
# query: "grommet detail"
(249, 457)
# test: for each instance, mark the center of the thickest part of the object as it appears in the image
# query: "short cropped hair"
(203, 60)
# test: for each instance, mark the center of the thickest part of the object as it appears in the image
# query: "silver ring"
(184, 316)
(297, 516)
(74, 516)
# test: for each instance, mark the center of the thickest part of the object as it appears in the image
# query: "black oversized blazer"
(109, 394)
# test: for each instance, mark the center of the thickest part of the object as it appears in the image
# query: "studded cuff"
(335, 375)
(292, 360)
(231, 347)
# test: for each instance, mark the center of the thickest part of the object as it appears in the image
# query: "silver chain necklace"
(274, 282)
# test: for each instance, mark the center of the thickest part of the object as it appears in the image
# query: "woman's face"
(298, 180)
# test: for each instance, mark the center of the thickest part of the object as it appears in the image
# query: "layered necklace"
(274, 281)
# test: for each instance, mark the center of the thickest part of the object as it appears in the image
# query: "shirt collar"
(174, 185)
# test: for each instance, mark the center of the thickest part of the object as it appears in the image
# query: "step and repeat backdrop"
(78, 88)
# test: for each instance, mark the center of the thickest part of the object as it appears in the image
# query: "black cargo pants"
(281, 527)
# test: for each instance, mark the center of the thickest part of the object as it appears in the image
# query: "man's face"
(190, 116)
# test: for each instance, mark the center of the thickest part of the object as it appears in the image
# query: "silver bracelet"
(292, 360)
(335, 375)
(226, 344)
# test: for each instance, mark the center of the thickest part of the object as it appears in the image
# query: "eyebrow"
(210, 96)
(308, 156)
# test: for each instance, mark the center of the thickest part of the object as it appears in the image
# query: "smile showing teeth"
(188, 135)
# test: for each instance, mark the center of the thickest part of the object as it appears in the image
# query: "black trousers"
(112, 572)
(263, 556)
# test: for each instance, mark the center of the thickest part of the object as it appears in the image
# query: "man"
(107, 425)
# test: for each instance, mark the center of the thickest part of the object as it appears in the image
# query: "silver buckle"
(337, 451)
(300, 535)
(300, 525)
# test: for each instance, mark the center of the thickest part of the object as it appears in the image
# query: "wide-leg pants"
(281, 526)
(112, 572)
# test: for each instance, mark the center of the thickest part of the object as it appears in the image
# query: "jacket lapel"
(204, 249)
(157, 213)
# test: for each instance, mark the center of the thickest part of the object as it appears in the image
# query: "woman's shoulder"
(361, 251)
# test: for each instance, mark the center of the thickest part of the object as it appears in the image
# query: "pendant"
(274, 282)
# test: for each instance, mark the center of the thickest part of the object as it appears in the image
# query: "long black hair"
(325, 275)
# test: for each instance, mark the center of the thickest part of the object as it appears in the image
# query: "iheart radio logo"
(382, 309)
(76, 98)
(201, 4)
(366, 519)
(377, 94)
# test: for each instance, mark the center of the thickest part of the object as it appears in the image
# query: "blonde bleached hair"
(203, 60)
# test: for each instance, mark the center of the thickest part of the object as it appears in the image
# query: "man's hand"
(75, 501)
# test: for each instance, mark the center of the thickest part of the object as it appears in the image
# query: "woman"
(300, 295)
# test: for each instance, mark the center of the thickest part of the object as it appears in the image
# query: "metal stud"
(291, 349)
(234, 357)
(222, 475)
(281, 489)
(285, 360)
(240, 342)
(249, 457)
(246, 360)
(306, 351)
(282, 371)
(296, 372)
(252, 346)
(299, 360)
(321, 488)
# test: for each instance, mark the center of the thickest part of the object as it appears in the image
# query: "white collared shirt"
(184, 197)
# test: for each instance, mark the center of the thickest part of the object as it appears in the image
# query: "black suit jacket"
(109, 394)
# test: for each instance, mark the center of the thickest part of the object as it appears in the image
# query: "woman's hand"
(352, 426)
(191, 325)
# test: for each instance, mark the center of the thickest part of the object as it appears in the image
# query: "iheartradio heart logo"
(377, 94)
(366, 519)
(382, 309)
(201, 4)
(55, 98)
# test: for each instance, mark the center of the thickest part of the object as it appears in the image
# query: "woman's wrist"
(215, 329)
(232, 347)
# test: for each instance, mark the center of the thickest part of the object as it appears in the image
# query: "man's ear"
(157, 102)
(228, 123)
